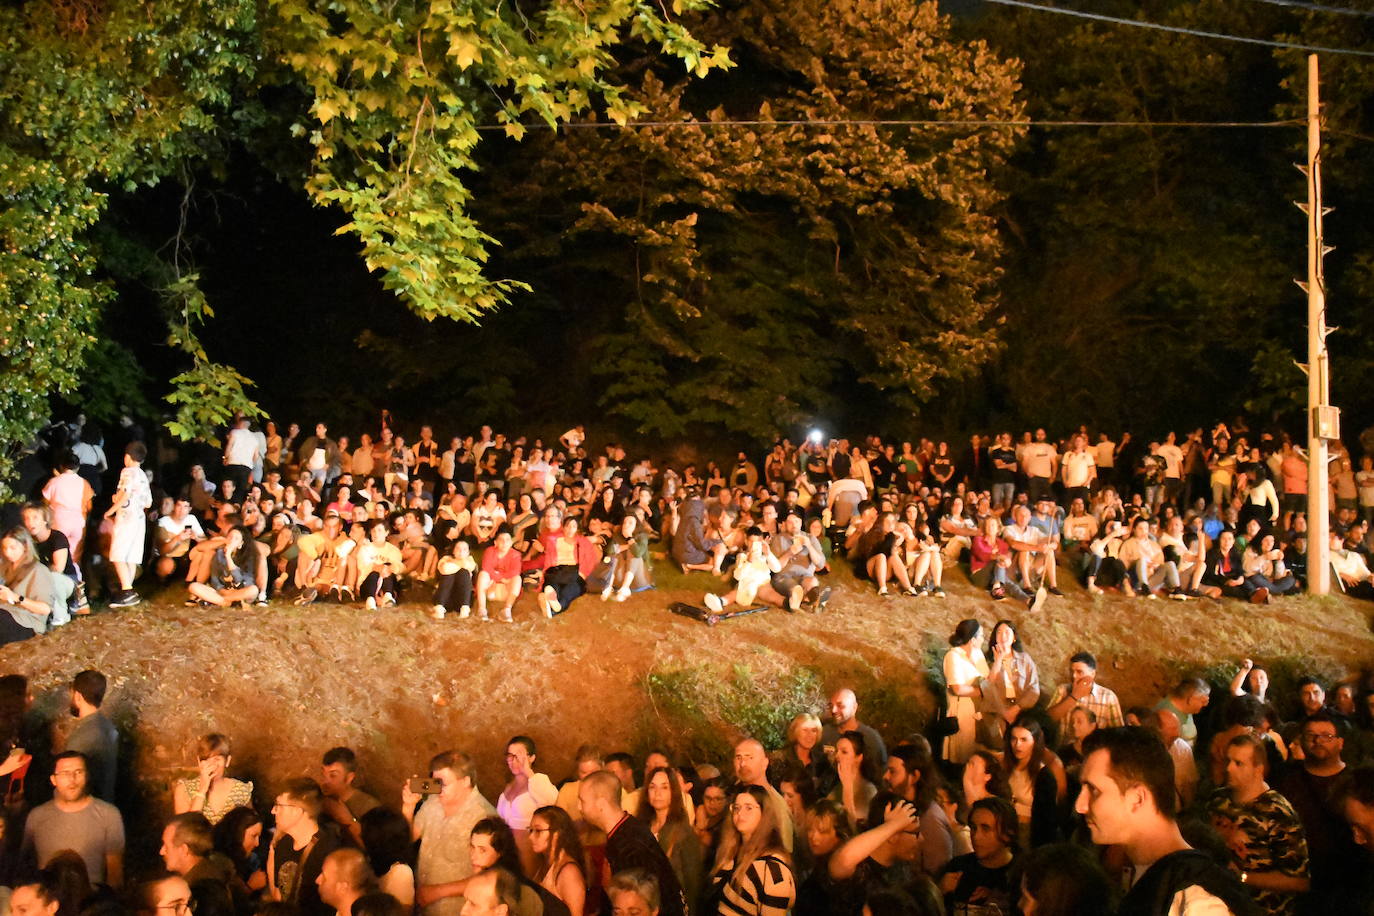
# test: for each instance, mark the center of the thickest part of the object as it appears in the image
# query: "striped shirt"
(767, 888)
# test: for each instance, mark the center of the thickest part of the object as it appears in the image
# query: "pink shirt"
(64, 495)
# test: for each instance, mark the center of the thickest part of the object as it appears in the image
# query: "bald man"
(844, 717)
(344, 877)
(629, 841)
(751, 769)
(1166, 723)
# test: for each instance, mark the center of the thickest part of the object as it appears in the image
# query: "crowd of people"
(1066, 806)
(470, 528)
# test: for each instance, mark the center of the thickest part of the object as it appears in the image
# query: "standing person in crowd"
(965, 672)
(1036, 779)
(128, 508)
(844, 717)
(1084, 690)
(881, 857)
(78, 821)
(1310, 785)
(94, 735)
(296, 857)
(752, 874)
(188, 850)
(1128, 799)
(70, 497)
(751, 769)
(559, 857)
(856, 778)
(984, 876)
(629, 843)
(1012, 684)
(911, 775)
(827, 829)
(344, 802)
(661, 807)
(803, 752)
(1261, 829)
(345, 876)
(443, 825)
(526, 792)
(384, 835)
(210, 791)
(28, 592)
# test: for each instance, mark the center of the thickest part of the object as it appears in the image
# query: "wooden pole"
(1318, 493)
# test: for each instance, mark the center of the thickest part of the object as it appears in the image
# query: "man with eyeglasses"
(297, 856)
(1310, 785)
(78, 821)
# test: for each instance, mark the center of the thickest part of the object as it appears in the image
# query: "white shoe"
(371, 603)
(606, 593)
(438, 612)
(714, 603)
(622, 595)
(464, 612)
(388, 600)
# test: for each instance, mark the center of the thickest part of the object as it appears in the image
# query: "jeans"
(1140, 580)
(1002, 493)
(566, 582)
(375, 585)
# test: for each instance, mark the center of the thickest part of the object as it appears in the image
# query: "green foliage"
(702, 711)
(769, 263)
(398, 92)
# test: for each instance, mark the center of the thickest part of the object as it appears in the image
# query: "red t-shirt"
(500, 568)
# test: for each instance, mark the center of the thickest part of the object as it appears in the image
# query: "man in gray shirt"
(94, 735)
(76, 820)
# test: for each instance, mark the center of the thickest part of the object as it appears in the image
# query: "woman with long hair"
(662, 809)
(232, 573)
(827, 829)
(1013, 684)
(855, 771)
(753, 872)
(491, 844)
(984, 875)
(1036, 787)
(558, 852)
(387, 843)
(27, 590)
(238, 837)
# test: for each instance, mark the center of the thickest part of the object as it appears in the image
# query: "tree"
(772, 266)
(101, 94)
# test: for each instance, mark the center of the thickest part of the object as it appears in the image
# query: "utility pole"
(1323, 420)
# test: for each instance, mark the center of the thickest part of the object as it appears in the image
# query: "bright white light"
(815, 436)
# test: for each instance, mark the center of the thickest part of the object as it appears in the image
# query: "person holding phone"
(443, 825)
(379, 563)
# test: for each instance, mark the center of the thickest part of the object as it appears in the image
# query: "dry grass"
(285, 683)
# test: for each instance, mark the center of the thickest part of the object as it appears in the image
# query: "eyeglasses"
(740, 809)
(176, 906)
(1320, 739)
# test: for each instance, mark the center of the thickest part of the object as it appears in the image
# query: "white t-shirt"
(317, 459)
(1078, 468)
(172, 526)
(1039, 459)
(1106, 454)
(1173, 460)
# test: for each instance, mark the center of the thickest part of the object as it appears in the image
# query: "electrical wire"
(1318, 7)
(1180, 30)
(915, 122)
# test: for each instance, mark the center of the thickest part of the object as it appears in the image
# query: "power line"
(1318, 7)
(1180, 30)
(891, 122)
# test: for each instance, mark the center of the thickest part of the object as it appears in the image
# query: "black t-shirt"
(995, 883)
(298, 870)
(56, 541)
(1001, 475)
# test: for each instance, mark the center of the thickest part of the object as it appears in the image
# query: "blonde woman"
(753, 872)
(211, 792)
(804, 752)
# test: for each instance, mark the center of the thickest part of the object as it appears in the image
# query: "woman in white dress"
(965, 670)
(526, 792)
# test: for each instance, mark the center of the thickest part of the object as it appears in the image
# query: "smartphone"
(423, 785)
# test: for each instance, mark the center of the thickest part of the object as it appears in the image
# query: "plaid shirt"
(1101, 701)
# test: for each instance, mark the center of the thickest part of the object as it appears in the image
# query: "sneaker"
(936, 592)
(1178, 594)
(714, 603)
(823, 600)
(505, 616)
(916, 591)
(464, 612)
(346, 595)
(1152, 596)
(882, 592)
(261, 600)
(623, 594)
(80, 604)
(370, 603)
(1054, 590)
(388, 600)
(438, 612)
(1037, 601)
(189, 602)
(1094, 590)
(308, 595)
(129, 599)
(1258, 596)
(606, 593)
